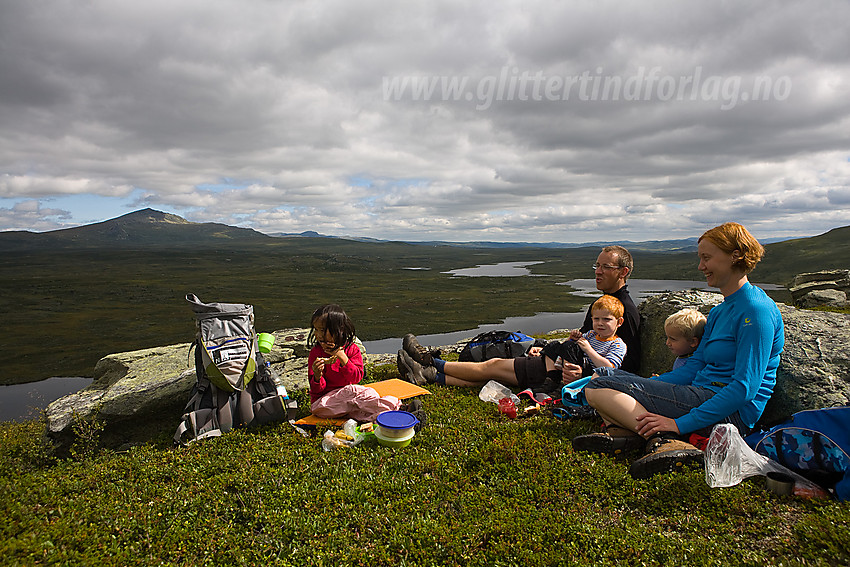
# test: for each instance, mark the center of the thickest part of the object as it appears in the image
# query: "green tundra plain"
(66, 306)
(474, 488)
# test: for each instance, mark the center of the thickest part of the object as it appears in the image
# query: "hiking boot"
(403, 370)
(665, 454)
(413, 372)
(414, 407)
(417, 352)
(613, 440)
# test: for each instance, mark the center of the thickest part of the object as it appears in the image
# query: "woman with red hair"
(728, 379)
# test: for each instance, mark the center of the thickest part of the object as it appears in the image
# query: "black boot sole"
(606, 444)
(407, 372)
(664, 462)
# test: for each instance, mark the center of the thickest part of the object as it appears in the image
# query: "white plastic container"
(395, 424)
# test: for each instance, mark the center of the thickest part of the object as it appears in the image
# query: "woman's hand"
(648, 424)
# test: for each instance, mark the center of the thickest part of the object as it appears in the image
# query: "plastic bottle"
(281, 391)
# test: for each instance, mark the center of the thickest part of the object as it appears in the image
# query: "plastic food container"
(395, 425)
(396, 442)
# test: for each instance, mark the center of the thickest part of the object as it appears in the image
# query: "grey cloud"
(264, 113)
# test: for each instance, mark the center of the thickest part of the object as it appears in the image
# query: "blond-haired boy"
(684, 332)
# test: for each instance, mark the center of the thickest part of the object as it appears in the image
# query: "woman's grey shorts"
(669, 400)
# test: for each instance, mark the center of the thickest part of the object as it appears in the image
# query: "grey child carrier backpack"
(235, 387)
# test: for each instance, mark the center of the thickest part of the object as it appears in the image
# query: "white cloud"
(30, 215)
(639, 120)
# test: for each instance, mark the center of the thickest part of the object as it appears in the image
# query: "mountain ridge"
(152, 228)
(143, 228)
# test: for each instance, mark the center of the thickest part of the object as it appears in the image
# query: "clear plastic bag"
(729, 460)
(330, 442)
(494, 391)
(352, 429)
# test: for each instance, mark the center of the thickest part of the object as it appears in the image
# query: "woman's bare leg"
(615, 407)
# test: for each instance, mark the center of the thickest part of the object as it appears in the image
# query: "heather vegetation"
(65, 309)
(474, 488)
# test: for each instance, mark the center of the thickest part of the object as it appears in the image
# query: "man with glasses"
(613, 267)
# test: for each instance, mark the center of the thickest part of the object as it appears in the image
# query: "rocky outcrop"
(136, 395)
(814, 371)
(656, 358)
(131, 392)
(815, 367)
(828, 287)
(141, 393)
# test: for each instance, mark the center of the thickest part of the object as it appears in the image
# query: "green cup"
(265, 342)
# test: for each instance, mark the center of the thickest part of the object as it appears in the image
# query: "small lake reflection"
(20, 402)
(500, 270)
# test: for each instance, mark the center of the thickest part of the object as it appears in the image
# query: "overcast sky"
(493, 120)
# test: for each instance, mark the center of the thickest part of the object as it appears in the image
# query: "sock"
(440, 365)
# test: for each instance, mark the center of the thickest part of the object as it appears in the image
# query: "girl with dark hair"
(335, 368)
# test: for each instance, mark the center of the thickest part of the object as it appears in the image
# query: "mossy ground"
(474, 488)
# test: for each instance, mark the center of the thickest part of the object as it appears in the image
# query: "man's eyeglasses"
(606, 267)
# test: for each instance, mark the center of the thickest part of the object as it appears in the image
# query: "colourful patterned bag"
(813, 443)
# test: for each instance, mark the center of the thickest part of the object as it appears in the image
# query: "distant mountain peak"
(149, 216)
(142, 228)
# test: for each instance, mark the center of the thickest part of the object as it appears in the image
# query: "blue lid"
(396, 419)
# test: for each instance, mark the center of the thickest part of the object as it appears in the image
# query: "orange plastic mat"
(392, 387)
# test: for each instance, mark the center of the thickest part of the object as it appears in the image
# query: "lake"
(540, 322)
(19, 402)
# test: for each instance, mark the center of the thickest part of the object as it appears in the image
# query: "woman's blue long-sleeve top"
(737, 358)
